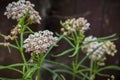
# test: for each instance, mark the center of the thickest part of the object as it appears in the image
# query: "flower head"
(110, 48)
(104, 48)
(16, 10)
(72, 25)
(39, 41)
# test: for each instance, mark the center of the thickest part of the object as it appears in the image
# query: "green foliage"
(76, 69)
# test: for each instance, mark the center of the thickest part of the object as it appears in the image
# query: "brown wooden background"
(104, 16)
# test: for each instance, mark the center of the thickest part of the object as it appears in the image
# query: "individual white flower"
(85, 27)
(104, 48)
(39, 41)
(16, 10)
(72, 25)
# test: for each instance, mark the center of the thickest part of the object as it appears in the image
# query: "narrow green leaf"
(62, 77)
(58, 64)
(109, 67)
(83, 70)
(104, 75)
(76, 51)
(55, 77)
(31, 31)
(29, 72)
(17, 65)
(64, 53)
(65, 71)
(85, 76)
(69, 41)
(2, 35)
(111, 38)
(11, 45)
(10, 68)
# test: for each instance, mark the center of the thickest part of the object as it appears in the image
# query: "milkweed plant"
(39, 45)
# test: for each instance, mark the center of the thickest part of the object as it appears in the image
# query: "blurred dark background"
(104, 16)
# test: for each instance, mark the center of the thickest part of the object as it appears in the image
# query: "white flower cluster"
(40, 41)
(72, 25)
(104, 48)
(16, 10)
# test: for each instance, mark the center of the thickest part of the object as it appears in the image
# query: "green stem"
(21, 49)
(29, 29)
(91, 69)
(40, 59)
(17, 43)
(11, 45)
(77, 55)
(75, 68)
(74, 71)
(38, 74)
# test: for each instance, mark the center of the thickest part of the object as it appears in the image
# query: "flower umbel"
(71, 25)
(106, 47)
(40, 41)
(16, 10)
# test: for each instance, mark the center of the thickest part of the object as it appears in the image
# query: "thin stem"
(91, 69)
(38, 75)
(74, 71)
(11, 68)
(17, 43)
(29, 29)
(75, 68)
(21, 48)
(95, 67)
(40, 58)
(11, 45)
(2, 35)
(77, 54)
(24, 60)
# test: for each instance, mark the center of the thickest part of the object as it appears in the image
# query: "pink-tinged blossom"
(104, 48)
(16, 10)
(39, 42)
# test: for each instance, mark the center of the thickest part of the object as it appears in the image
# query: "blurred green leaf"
(111, 38)
(69, 41)
(30, 72)
(109, 67)
(58, 64)
(64, 53)
(104, 75)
